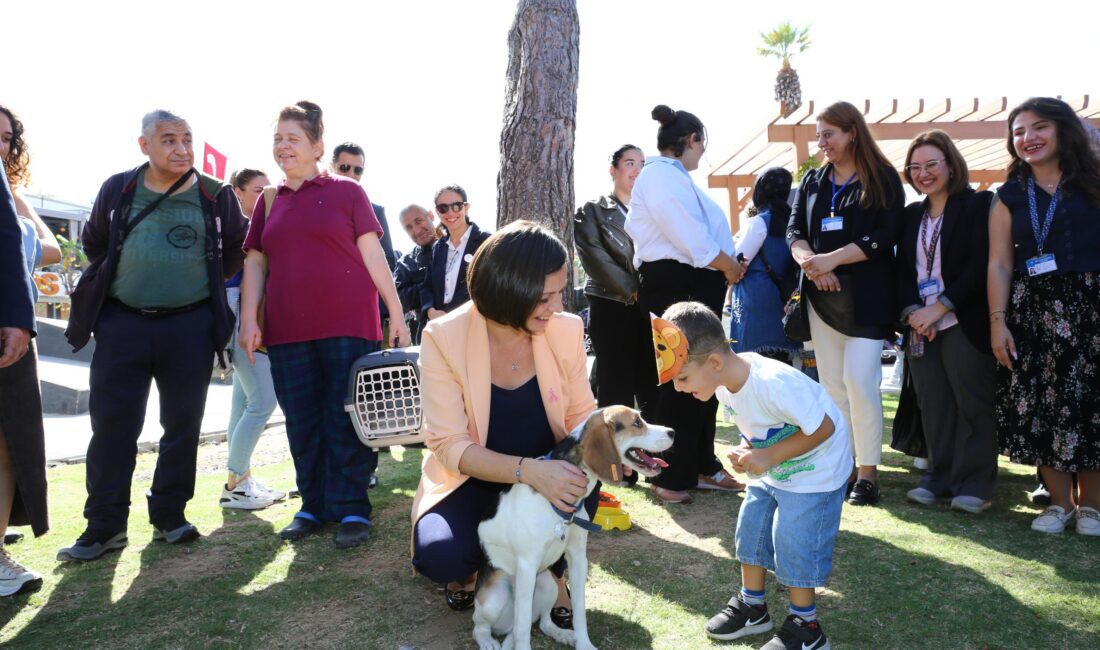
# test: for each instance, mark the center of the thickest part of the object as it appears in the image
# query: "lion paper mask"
(671, 348)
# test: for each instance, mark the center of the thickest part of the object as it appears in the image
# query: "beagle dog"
(527, 534)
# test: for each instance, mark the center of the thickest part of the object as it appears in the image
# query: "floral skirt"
(1048, 406)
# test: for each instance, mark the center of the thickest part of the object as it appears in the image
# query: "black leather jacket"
(606, 251)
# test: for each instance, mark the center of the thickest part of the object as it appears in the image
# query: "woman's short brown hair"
(958, 175)
(508, 274)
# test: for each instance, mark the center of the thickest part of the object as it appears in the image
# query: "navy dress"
(756, 323)
(445, 543)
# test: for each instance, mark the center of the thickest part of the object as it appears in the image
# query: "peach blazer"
(455, 390)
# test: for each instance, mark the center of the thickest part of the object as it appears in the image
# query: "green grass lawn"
(904, 576)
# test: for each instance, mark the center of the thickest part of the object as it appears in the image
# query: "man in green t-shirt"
(161, 240)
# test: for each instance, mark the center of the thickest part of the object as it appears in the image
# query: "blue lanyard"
(836, 192)
(1041, 235)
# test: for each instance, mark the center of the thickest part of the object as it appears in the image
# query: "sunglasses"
(345, 168)
(444, 208)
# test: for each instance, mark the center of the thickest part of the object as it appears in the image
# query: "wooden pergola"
(979, 129)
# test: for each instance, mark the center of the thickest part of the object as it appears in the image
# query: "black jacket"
(964, 254)
(16, 296)
(606, 251)
(435, 288)
(874, 231)
(409, 277)
(225, 231)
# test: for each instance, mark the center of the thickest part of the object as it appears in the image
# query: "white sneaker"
(1088, 522)
(275, 495)
(1053, 520)
(920, 463)
(15, 577)
(245, 496)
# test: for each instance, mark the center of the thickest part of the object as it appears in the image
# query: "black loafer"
(351, 533)
(13, 537)
(562, 617)
(300, 528)
(459, 599)
(864, 493)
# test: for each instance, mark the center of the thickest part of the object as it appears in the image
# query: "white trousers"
(850, 369)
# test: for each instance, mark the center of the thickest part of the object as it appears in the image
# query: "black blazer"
(964, 254)
(16, 296)
(875, 231)
(432, 295)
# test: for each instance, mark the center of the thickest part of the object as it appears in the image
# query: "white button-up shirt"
(671, 218)
(455, 253)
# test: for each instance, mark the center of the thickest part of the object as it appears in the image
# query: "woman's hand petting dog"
(747, 460)
(563, 484)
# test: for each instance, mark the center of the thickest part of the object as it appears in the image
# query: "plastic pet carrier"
(383, 398)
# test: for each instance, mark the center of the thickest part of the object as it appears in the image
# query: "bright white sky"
(420, 83)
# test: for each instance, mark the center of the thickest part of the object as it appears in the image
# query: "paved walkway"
(67, 436)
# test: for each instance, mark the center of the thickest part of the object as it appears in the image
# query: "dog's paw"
(554, 632)
(491, 644)
(585, 645)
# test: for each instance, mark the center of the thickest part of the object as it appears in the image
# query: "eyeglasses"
(931, 167)
(345, 168)
(444, 208)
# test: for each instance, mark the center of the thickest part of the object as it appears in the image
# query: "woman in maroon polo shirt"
(314, 258)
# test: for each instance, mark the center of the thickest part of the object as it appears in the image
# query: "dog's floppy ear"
(599, 452)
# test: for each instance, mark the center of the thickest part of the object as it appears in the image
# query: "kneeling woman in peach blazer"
(504, 379)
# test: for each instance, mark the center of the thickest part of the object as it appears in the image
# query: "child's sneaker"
(1053, 520)
(797, 634)
(738, 619)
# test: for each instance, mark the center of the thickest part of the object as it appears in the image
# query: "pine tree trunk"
(540, 109)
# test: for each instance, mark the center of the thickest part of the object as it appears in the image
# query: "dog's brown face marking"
(599, 442)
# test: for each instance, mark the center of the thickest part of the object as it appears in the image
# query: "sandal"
(459, 599)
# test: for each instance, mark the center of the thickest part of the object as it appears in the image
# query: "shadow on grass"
(931, 604)
(1005, 528)
(168, 577)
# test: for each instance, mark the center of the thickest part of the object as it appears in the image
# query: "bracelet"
(519, 465)
(993, 316)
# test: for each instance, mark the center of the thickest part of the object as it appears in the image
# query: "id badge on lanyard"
(929, 287)
(833, 223)
(1041, 263)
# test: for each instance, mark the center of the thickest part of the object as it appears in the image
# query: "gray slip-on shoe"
(921, 495)
(973, 505)
(84, 550)
(181, 535)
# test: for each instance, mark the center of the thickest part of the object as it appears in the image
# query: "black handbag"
(787, 285)
(796, 317)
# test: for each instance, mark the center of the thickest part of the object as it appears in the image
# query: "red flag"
(213, 161)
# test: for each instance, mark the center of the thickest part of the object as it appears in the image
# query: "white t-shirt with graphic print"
(777, 402)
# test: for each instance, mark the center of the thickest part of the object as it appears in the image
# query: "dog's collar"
(571, 517)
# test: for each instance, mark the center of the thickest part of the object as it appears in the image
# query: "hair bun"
(309, 107)
(663, 114)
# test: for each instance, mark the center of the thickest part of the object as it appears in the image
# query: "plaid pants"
(332, 465)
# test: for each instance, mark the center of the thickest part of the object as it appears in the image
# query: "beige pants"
(850, 369)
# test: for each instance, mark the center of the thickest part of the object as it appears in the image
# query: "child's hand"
(754, 462)
(735, 456)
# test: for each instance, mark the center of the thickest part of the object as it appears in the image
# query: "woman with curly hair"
(22, 440)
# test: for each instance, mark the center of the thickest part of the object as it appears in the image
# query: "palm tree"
(783, 42)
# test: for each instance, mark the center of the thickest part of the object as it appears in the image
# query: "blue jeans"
(789, 533)
(253, 399)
